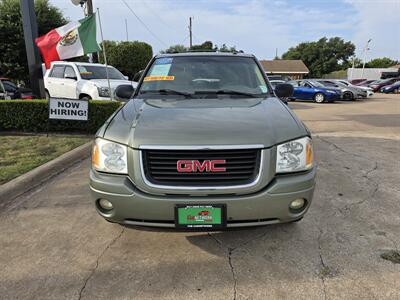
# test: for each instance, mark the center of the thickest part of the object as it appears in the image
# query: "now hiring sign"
(67, 109)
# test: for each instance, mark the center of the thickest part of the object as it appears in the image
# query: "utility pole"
(190, 32)
(89, 7)
(365, 57)
(126, 28)
(32, 53)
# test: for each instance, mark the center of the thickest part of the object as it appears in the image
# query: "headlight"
(109, 157)
(104, 91)
(294, 156)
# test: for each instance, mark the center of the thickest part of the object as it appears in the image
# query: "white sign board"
(68, 109)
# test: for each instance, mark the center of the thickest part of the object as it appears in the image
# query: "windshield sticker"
(86, 73)
(163, 61)
(160, 70)
(157, 78)
(263, 88)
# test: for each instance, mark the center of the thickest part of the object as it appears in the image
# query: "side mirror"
(137, 76)
(284, 90)
(124, 91)
(126, 77)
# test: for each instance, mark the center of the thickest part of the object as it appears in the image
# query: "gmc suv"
(204, 143)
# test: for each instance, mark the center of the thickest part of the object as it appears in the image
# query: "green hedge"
(32, 116)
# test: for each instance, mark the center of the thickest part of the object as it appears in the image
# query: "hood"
(204, 122)
(113, 82)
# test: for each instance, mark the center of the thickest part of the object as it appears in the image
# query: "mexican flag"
(74, 39)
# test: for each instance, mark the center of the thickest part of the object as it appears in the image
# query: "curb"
(39, 175)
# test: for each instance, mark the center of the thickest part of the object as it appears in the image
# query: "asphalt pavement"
(53, 245)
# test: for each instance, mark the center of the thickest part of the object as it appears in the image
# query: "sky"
(254, 26)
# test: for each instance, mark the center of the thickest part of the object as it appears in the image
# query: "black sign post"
(32, 53)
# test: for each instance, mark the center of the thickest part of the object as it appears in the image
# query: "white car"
(77, 80)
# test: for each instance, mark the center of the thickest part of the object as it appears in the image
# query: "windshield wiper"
(167, 92)
(229, 92)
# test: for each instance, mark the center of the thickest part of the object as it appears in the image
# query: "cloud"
(256, 26)
(378, 20)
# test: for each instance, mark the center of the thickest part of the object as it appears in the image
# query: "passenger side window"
(69, 72)
(58, 71)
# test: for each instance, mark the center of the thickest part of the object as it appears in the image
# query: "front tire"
(319, 98)
(86, 98)
(348, 96)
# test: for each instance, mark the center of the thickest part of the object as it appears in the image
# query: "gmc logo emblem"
(188, 166)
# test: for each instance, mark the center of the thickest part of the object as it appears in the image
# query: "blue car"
(313, 90)
(393, 88)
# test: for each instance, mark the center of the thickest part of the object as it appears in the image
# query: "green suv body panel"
(175, 123)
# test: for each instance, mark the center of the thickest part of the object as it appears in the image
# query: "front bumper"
(267, 206)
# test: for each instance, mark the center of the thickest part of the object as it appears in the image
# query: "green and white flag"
(74, 39)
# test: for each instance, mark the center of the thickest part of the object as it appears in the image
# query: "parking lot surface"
(53, 245)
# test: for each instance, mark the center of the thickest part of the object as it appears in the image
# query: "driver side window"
(69, 72)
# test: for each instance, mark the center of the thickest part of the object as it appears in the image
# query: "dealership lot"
(54, 245)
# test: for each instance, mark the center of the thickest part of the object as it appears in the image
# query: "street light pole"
(365, 57)
(190, 32)
(32, 53)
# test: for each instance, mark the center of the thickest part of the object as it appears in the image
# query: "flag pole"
(104, 55)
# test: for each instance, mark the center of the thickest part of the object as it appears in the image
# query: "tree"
(13, 61)
(225, 48)
(384, 62)
(323, 56)
(175, 49)
(128, 57)
(206, 46)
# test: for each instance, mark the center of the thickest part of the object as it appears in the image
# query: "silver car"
(348, 92)
(204, 143)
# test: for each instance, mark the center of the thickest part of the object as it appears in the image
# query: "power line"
(144, 25)
(159, 18)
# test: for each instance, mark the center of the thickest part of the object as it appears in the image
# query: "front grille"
(242, 167)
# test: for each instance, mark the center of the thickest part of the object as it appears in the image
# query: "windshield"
(203, 75)
(99, 72)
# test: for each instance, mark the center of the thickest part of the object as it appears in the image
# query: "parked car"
(274, 83)
(203, 133)
(348, 92)
(377, 85)
(357, 81)
(312, 90)
(77, 80)
(393, 88)
(364, 82)
(9, 90)
(369, 90)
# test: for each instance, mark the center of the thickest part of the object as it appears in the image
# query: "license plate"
(200, 216)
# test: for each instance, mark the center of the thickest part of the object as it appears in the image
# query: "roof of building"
(285, 66)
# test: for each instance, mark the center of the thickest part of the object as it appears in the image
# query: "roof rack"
(202, 50)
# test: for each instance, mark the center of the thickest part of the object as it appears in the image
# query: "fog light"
(105, 204)
(297, 204)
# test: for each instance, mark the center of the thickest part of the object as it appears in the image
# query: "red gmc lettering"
(216, 162)
(187, 166)
(184, 166)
